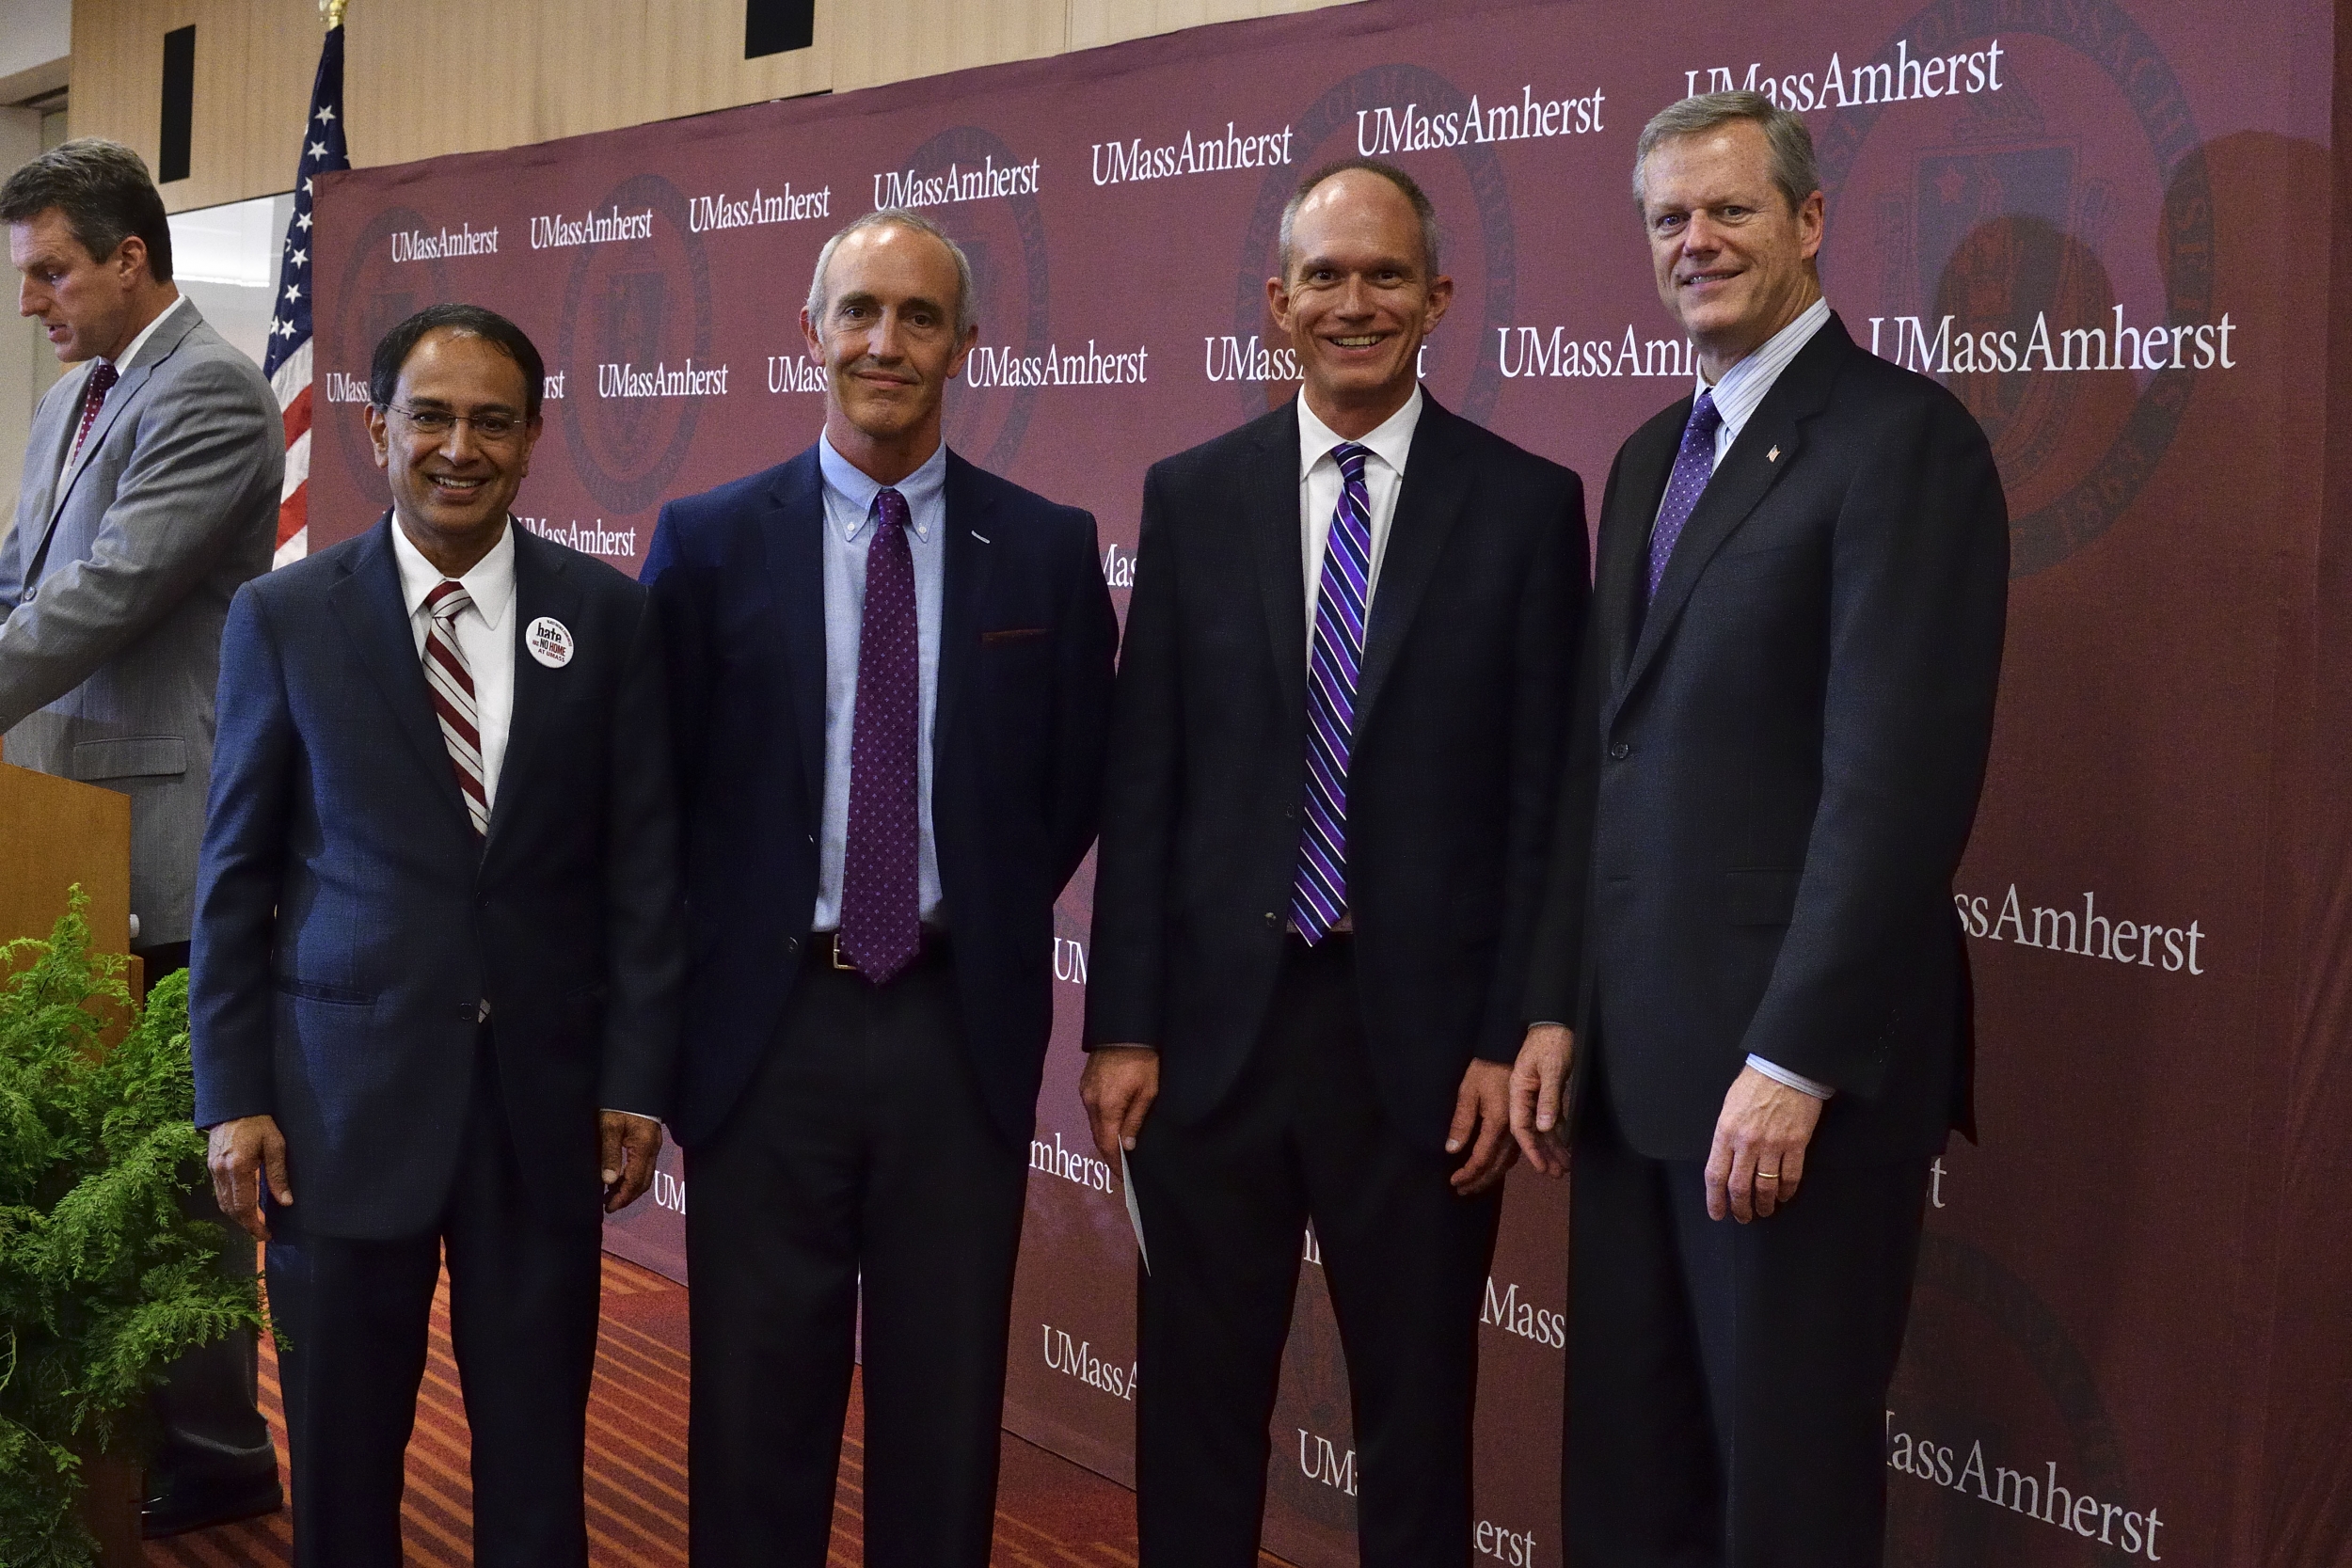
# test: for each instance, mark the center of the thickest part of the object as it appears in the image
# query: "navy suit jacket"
(1027, 639)
(1773, 771)
(348, 924)
(1453, 772)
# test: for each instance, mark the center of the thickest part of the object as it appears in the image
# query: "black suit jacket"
(348, 924)
(1773, 771)
(1027, 639)
(1451, 775)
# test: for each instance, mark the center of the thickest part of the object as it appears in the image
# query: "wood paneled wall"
(427, 77)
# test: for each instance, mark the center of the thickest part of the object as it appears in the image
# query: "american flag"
(288, 362)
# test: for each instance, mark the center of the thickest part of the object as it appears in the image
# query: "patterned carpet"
(1050, 1513)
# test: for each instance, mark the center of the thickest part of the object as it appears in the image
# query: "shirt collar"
(490, 584)
(131, 353)
(1743, 385)
(857, 489)
(1390, 440)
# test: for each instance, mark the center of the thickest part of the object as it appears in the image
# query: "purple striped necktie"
(1694, 465)
(880, 894)
(1319, 896)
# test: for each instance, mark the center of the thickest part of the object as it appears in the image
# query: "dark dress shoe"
(184, 1509)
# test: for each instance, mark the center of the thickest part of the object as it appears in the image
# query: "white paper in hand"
(1135, 1216)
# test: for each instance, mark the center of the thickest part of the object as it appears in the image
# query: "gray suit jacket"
(114, 582)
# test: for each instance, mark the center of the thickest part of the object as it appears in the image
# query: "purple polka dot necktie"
(1319, 893)
(1694, 465)
(881, 898)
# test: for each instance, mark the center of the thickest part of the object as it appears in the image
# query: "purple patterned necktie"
(1694, 465)
(1319, 896)
(881, 899)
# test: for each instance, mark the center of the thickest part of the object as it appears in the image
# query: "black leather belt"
(824, 950)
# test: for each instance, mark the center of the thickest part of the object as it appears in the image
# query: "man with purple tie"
(1331, 781)
(890, 696)
(1750, 997)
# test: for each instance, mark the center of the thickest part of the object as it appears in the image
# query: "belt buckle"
(833, 951)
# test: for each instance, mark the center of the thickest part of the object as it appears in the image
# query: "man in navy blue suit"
(891, 673)
(436, 955)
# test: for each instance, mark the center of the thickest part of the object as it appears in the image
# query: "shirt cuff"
(1794, 1080)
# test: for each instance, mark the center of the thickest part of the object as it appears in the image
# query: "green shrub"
(104, 1279)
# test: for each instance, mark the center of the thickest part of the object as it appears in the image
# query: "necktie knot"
(1350, 457)
(103, 376)
(893, 508)
(1705, 416)
(447, 601)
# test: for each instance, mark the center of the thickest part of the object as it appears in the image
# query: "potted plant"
(104, 1279)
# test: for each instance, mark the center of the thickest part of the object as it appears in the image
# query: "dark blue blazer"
(1772, 774)
(348, 924)
(1027, 639)
(1453, 773)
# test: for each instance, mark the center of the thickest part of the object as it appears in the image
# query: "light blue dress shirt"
(850, 522)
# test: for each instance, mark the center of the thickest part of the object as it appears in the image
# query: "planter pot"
(113, 1488)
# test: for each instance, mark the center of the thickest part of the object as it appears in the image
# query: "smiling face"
(889, 346)
(1735, 265)
(452, 489)
(1358, 300)
(87, 306)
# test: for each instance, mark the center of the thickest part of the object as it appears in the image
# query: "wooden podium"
(54, 832)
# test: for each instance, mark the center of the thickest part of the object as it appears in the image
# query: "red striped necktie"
(450, 680)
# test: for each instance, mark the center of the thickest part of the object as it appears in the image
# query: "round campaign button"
(549, 641)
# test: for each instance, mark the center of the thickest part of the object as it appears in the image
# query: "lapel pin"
(549, 641)
(1773, 456)
(981, 537)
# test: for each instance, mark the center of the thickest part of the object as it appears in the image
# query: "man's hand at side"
(1118, 1085)
(1757, 1160)
(628, 1145)
(1539, 1091)
(242, 1154)
(1482, 1123)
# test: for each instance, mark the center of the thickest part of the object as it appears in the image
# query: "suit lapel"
(544, 585)
(1435, 490)
(970, 553)
(368, 602)
(125, 391)
(793, 540)
(1617, 586)
(1269, 498)
(1742, 481)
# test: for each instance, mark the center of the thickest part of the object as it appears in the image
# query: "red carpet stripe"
(1051, 1514)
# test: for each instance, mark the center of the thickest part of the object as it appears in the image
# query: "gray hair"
(102, 189)
(967, 307)
(1413, 194)
(1794, 169)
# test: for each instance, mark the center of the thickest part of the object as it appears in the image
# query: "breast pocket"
(138, 756)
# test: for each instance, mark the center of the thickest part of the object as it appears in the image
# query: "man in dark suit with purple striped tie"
(1322, 861)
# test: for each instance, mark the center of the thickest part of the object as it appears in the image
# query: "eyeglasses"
(439, 422)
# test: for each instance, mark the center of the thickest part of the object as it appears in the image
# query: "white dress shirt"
(1737, 397)
(1319, 493)
(130, 356)
(482, 637)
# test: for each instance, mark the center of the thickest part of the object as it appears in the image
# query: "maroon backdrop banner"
(2096, 220)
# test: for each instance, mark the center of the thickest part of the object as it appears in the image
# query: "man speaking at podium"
(149, 493)
(438, 957)
(891, 675)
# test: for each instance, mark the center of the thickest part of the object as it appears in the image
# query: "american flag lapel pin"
(1773, 456)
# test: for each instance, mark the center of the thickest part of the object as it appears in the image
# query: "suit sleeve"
(1556, 961)
(1127, 972)
(240, 871)
(645, 936)
(207, 449)
(678, 612)
(1086, 657)
(1551, 613)
(1918, 602)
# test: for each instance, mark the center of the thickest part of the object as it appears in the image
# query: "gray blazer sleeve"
(208, 451)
